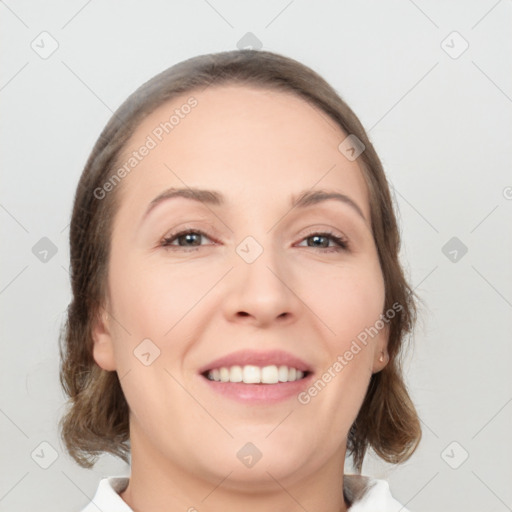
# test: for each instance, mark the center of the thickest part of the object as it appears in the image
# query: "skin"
(199, 302)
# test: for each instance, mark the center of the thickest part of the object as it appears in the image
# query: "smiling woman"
(250, 260)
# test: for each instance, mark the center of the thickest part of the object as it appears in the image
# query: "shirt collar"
(363, 493)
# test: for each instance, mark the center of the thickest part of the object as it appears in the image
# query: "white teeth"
(283, 374)
(235, 374)
(250, 374)
(269, 375)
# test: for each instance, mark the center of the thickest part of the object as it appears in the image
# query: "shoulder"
(367, 494)
(107, 497)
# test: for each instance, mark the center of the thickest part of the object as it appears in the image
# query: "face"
(256, 280)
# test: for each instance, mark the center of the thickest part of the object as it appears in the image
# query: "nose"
(262, 293)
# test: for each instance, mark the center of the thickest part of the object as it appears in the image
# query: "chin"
(261, 477)
(248, 459)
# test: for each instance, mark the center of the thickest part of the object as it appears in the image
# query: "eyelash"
(343, 244)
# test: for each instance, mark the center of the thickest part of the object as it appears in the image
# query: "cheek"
(349, 300)
(347, 297)
(152, 298)
(162, 303)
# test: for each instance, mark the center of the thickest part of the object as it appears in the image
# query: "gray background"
(442, 125)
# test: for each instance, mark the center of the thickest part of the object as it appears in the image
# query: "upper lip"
(256, 358)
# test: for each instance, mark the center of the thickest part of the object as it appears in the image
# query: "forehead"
(247, 141)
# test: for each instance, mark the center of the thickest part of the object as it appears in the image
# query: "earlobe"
(381, 355)
(381, 361)
(103, 346)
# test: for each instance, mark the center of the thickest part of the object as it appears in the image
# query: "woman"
(238, 305)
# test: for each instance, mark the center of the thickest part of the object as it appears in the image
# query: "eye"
(188, 238)
(191, 239)
(322, 240)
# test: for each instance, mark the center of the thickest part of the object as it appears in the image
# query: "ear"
(103, 345)
(380, 353)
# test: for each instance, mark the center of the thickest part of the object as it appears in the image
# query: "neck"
(156, 483)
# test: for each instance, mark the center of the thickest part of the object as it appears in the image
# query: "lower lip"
(259, 393)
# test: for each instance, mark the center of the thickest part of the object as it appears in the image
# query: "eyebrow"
(302, 200)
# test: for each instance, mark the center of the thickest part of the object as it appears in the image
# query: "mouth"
(253, 377)
(252, 374)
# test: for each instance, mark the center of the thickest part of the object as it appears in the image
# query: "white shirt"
(365, 493)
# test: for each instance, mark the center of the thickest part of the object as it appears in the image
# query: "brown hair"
(97, 419)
